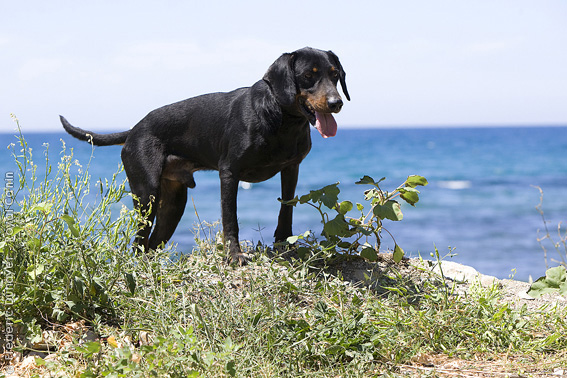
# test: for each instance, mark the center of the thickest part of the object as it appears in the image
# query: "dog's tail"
(94, 138)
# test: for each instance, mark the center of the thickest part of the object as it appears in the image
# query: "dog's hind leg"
(173, 198)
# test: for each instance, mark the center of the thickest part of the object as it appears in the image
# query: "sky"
(105, 64)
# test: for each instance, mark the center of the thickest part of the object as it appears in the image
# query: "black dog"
(249, 134)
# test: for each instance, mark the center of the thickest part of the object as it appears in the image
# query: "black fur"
(249, 134)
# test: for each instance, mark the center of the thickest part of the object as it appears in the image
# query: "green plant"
(63, 250)
(555, 279)
(352, 235)
(561, 236)
(178, 353)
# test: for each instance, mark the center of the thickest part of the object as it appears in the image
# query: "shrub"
(353, 235)
(62, 257)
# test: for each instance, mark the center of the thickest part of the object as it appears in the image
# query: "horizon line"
(358, 127)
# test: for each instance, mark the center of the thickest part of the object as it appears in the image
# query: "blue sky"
(104, 65)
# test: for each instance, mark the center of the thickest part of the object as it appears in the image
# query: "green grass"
(67, 268)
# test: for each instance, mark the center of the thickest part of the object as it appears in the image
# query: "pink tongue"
(326, 124)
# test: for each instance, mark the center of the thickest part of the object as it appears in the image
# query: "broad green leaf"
(416, 180)
(367, 180)
(410, 195)
(555, 280)
(337, 226)
(540, 287)
(398, 253)
(305, 198)
(391, 210)
(407, 189)
(345, 207)
(369, 254)
(555, 276)
(330, 195)
(315, 195)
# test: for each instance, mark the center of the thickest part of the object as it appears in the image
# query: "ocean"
(480, 203)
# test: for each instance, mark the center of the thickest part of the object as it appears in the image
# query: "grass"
(78, 302)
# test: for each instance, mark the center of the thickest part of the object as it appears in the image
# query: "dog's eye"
(308, 75)
(335, 74)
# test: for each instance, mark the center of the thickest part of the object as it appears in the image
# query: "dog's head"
(307, 79)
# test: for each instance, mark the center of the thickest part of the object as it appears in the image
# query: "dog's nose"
(335, 104)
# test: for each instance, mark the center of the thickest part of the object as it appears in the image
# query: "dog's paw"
(239, 259)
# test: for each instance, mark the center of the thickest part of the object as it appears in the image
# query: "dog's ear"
(266, 106)
(342, 73)
(281, 79)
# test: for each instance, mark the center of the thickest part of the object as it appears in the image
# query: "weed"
(555, 279)
(65, 257)
(351, 235)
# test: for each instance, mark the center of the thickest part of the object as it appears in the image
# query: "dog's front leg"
(229, 190)
(289, 177)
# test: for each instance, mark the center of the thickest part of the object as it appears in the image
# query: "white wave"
(455, 184)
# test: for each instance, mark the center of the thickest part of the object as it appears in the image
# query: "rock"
(462, 273)
(524, 295)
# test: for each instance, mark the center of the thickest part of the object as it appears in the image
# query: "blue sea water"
(480, 199)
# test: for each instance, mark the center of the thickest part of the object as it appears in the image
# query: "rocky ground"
(410, 274)
(459, 278)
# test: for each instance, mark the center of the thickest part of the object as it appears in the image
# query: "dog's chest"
(268, 157)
